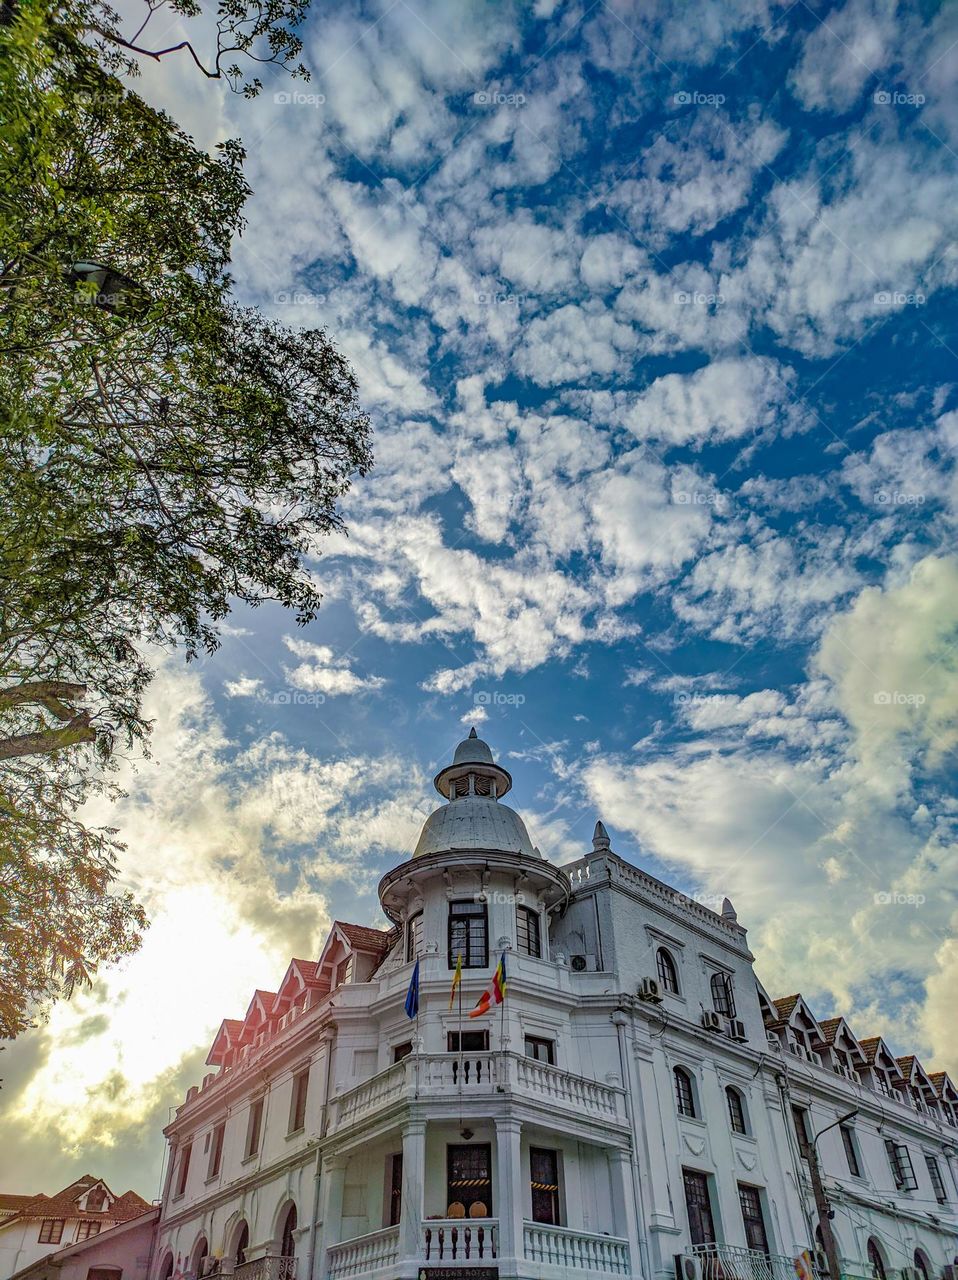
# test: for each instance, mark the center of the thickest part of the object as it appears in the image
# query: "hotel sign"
(458, 1273)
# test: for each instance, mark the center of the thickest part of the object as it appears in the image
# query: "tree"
(163, 453)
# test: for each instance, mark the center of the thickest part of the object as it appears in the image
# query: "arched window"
(198, 1262)
(287, 1248)
(668, 977)
(684, 1093)
(922, 1265)
(723, 999)
(242, 1243)
(166, 1270)
(875, 1260)
(736, 1110)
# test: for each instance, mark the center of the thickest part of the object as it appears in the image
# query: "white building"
(629, 1108)
(37, 1227)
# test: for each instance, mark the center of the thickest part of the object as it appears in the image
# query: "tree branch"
(48, 741)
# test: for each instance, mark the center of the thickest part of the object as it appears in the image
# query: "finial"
(728, 911)
(600, 839)
(472, 732)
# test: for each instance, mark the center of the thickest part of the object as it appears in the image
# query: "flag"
(803, 1266)
(456, 980)
(412, 995)
(496, 991)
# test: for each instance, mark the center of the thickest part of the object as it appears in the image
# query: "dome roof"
(475, 822)
(473, 750)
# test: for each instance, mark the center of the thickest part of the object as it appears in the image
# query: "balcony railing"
(461, 1241)
(478, 1074)
(364, 1254)
(733, 1262)
(575, 1250)
(269, 1268)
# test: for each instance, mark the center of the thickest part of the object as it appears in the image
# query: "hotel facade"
(638, 1105)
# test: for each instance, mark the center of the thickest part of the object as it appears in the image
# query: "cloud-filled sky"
(653, 310)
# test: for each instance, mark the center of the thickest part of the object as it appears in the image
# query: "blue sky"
(653, 311)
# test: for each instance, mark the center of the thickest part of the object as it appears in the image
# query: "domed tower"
(475, 885)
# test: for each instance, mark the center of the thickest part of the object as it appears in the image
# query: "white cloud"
(323, 670)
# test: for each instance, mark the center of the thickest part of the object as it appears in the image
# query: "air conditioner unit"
(711, 1021)
(821, 1261)
(688, 1267)
(736, 1029)
(650, 990)
(583, 964)
(773, 1040)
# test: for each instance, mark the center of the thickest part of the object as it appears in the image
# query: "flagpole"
(459, 985)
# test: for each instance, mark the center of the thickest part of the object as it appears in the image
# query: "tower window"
(665, 967)
(528, 939)
(684, 1094)
(851, 1155)
(736, 1110)
(468, 934)
(723, 999)
(414, 936)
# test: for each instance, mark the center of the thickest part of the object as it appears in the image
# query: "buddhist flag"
(412, 995)
(495, 992)
(456, 980)
(803, 1266)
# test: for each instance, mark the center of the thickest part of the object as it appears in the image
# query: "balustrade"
(575, 1250)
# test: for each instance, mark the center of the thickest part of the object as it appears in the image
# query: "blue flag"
(412, 995)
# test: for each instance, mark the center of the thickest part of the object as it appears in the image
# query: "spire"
(600, 839)
(728, 911)
(472, 732)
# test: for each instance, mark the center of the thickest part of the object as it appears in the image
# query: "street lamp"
(825, 1213)
(115, 292)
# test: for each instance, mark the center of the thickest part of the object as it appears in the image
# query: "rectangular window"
(468, 934)
(851, 1155)
(395, 1188)
(297, 1105)
(51, 1231)
(901, 1167)
(87, 1229)
(468, 1180)
(751, 1201)
(216, 1150)
(414, 936)
(800, 1120)
(184, 1168)
(343, 972)
(544, 1177)
(542, 1050)
(472, 1041)
(528, 940)
(699, 1207)
(253, 1127)
(402, 1051)
(937, 1185)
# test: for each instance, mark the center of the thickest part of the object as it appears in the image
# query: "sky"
(652, 308)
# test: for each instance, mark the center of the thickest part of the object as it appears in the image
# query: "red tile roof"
(363, 938)
(9, 1203)
(785, 1007)
(65, 1204)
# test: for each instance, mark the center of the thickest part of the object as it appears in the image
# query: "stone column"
(509, 1193)
(623, 1202)
(333, 1182)
(413, 1185)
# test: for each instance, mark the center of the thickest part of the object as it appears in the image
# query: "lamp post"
(114, 291)
(821, 1200)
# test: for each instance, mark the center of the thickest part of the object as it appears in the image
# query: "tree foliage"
(163, 452)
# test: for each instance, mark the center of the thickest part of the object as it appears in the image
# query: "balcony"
(569, 1250)
(268, 1268)
(732, 1262)
(364, 1255)
(462, 1241)
(481, 1075)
